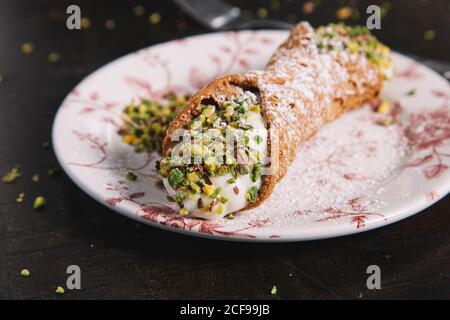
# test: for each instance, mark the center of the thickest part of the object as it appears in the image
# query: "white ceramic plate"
(355, 175)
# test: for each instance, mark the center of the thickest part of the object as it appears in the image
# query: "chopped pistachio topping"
(355, 40)
(54, 172)
(12, 176)
(20, 198)
(59, 290)
(184, 212)
(131, 176)
(39, 203)
(146, 122)
(25, 273)
(213, 155)
(251, 194)
(412, 92)
(274, 290)
(384, 107)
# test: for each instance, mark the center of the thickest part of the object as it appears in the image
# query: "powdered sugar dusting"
(300, 84)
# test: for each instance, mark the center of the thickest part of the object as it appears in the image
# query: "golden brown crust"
(300, 91)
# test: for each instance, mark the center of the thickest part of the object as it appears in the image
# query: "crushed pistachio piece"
(215, 193)
(231, 181)
(274, 290)
(208, 189)
(12, 176)
(53, 57)
(27, 48)
(59, 290)
(20, 198)
(262, 13)
(25, 273)
(110, 24)
(53, 172)
(184, 212)
(229, 216)
(45, 145)
(146, 122)
(138, 10)
(223, 200)
(131, 176)
(154, 18)
(412, 92)
(39, 203)
(429, 35)
(344, 13)
(251, 194)
(384, 107)
(387, 121)
(85, 23)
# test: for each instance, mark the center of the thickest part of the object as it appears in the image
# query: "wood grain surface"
(121, 259)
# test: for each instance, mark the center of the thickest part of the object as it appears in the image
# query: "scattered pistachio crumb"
(138, 10)
(344, 13)
(275, 5)
(25, 273)
(412, 92)
(60, 290)
(262, 13)
(45, 145)
(274, 290)
(27, 48)
(110, 24)
(39, 203)
(184, 212)
(12, 176)
(85, 23)
(20, 198)
(384, 107)
(131, 176)
(429, 35)
(53, 57)
(154, 18)
(230, 216)
(386, 122)
(53, 172)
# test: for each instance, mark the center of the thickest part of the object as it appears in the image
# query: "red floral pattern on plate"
(91, 115)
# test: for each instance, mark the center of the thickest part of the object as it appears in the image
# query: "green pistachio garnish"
(131, 176)
(215, 193)
(256, 173)
(231, 181)
(251, 194)
(212, 157)
(223, 200)
(11, 176)
(146, 122)
(175, 176)
(355, 40)
(39, 203)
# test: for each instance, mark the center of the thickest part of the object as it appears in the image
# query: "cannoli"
(313, 77)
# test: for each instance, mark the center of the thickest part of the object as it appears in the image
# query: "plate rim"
(320, 232)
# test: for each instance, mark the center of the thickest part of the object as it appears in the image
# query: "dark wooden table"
(121, 259)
